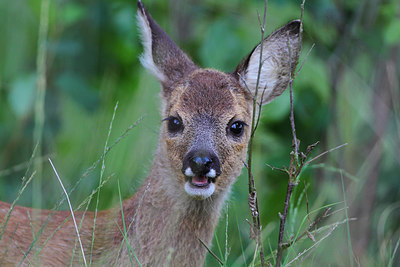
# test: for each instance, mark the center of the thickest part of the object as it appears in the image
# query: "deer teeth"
(211, 174)
(189, 172)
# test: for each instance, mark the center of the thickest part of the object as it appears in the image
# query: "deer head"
(207, 114)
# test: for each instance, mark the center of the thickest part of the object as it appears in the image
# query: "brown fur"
(164, 223)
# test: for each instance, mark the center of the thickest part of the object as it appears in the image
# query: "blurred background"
(85, 55)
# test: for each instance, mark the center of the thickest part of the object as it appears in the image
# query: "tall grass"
(72, 212)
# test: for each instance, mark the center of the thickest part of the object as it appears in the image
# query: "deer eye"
(174, 124)
(236, 128)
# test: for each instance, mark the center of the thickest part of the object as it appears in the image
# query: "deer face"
(207, 114)
(206, 130)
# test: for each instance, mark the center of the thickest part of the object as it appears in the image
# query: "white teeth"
(199, 192)
(211, 173)
(188, 172)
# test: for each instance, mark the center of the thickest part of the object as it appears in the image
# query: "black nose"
(201, 163)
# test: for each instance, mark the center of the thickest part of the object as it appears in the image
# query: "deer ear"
(162, 57)
(279, 58)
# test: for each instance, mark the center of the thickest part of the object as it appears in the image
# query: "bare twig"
(253, 202)
(314, 245)
(295, 167)
(309, 228)
(326, 152)
(330, 228)
(260, 108)
(210, 251)
(282, 218)
(276, 168)
(24, 165)
(295, 141)
(304, 61)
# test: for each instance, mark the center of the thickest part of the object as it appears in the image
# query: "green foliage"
(93, 49)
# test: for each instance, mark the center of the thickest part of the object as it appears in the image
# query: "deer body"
(202, 144)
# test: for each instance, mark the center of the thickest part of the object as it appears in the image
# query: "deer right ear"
(279, 58)
(162, 57)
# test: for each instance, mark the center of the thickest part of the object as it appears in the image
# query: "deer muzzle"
(201, 169)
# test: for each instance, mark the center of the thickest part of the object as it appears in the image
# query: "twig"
(23, 165)
(295, 167)
(282, 218)
(312, 225)
(295, 142)
(326, 152)
(304, 61)
(276, 168)
(260, 107)
(253, 202)
(314, 245)
(330, 228)
(72, 211)
(210, 251)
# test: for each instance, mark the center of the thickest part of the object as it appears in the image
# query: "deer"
(203, 141)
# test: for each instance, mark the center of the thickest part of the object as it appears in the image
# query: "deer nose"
(201, 163)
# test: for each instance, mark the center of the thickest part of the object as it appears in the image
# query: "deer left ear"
(279, 59)
(162, 57)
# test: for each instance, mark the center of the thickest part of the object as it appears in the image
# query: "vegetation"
(345, 207)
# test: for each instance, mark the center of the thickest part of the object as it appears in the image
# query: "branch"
(295, 167)
(326, 152)
(212, 253)
(307, 231)
(253, 202)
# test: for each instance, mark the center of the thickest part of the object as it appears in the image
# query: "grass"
(351, 259)
(41, 66)
(25, 183)
(297, 208)
(72, 212)
(391, 260)
(103, 166)
(125, 233)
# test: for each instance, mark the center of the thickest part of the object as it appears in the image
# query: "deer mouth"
(200, 181)
(199, 187)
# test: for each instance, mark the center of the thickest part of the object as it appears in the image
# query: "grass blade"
(72, 211)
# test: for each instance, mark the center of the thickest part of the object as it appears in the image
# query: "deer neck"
(167, 223)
